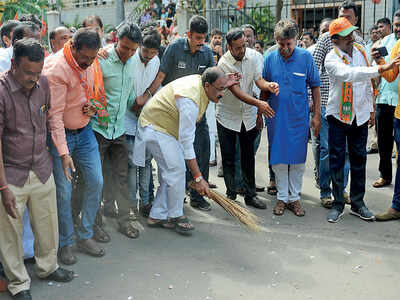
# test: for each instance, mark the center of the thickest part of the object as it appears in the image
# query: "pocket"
(299, 83)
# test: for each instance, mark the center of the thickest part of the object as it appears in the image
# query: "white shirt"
(143, 77)
(5, 58)
(188, 111)
(232, 112)
(356, 72)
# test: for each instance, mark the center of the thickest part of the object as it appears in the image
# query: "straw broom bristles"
(235, 210)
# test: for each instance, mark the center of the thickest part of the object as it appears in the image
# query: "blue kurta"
(288, 130)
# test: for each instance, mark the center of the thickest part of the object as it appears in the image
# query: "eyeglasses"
(223, 89)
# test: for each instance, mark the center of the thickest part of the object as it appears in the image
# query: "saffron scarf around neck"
(95, 95)
(346, 101)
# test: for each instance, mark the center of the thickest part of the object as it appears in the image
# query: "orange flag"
(16, 16)
(241, 4)
(44, 27)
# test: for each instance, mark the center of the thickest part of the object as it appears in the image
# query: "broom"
(235, 210)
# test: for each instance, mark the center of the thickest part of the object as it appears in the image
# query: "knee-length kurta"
(288, 130)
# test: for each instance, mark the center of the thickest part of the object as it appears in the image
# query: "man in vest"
(166, 131)
(349, 110)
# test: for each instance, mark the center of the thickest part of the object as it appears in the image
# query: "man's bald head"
(58, 38)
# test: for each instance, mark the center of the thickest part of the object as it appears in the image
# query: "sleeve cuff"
(189, 153)
(62, 149)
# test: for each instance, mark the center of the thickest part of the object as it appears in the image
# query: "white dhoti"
(168, 154)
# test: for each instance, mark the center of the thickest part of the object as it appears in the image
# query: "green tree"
(12, 7)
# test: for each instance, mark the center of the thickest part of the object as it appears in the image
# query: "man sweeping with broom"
(166, 130)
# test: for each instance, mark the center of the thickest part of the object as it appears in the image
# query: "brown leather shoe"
(67, 257)
(90, 247)
(389, 215)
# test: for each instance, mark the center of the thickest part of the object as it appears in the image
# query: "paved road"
(291, 258)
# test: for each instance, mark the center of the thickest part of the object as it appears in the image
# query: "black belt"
(74, 131)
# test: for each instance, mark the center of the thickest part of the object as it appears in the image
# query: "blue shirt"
(289, 128)
(388, 91)
(118, 85)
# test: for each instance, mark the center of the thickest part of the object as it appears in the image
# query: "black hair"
(198, 24)
(52, 34)
(216, 31)
(397, 13)
(385, 21)
(249, 26)
(374, 27)
(31, 18)
(261, 43)
(86, 37)
(30, 48)
(233, 35)
(21, 30)
(335, 37)
(309, 34)
(131, 31)
(7, 28)
(211, 75)
(151, 38)
(324, 20)
(348, 4)
(91, 19)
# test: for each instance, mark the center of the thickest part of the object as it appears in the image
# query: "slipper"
(180, 223)
(160, 224)
(279, 208)
(381, 183)
(128, 229)
(295, 207)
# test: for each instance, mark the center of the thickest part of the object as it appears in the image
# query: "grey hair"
(211, 75)
(285, 29)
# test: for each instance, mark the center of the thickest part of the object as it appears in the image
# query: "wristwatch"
(198, 179)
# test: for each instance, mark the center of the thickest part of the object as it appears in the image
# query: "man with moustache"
(294, 70)
(166, 131)
(386, 103)
(73, 73)
(118, 76)
(58, 37)
(349, 110)
(183, 57)
(238, 113)
(145, 68)
(347, 9)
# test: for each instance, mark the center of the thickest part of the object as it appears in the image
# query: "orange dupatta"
(97, 95)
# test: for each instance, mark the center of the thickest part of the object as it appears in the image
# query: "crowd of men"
(80, 127)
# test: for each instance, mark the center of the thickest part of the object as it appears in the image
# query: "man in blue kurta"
(293, 69)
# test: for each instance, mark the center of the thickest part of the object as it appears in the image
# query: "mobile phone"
(382, 51)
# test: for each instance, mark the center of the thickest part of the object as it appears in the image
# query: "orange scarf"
(95, 95)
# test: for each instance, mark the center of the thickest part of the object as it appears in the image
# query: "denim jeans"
(324, 172)
(356, 137)
(138, 176)
(238, 168)
(396, 195)
(202, 149)
(316, 149)
(271, 172)
(85, 150)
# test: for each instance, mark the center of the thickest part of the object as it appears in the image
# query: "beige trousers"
(42, 208)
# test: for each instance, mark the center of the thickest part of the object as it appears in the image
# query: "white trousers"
(289, 179)
(212, 127)
(168, 154)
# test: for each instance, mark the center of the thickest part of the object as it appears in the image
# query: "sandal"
(127, 228)
(271, 188)
(279, 208)
(296, 208)
(182, 225)
(157, 223)
(327, 202)
(381, 183)
(100, 235)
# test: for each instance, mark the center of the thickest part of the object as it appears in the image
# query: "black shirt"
(178, 61)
